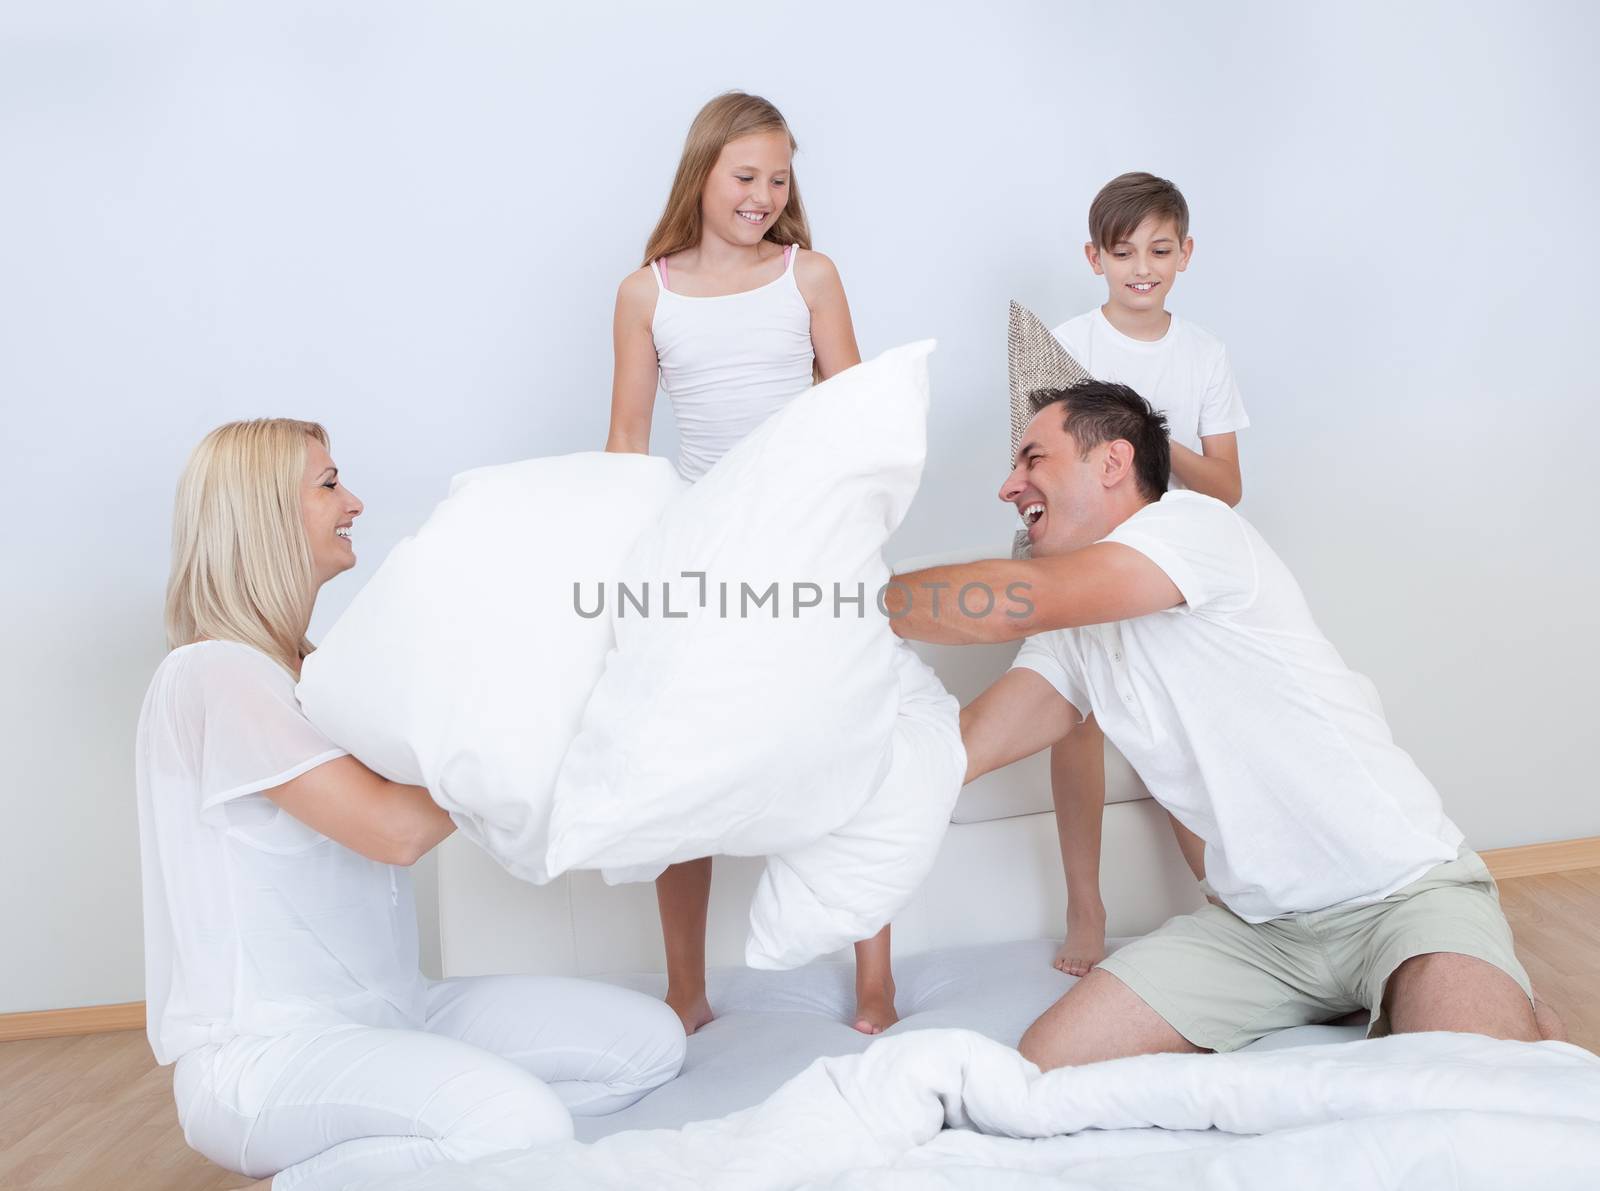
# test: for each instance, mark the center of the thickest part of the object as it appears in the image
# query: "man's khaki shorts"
(1222, 982)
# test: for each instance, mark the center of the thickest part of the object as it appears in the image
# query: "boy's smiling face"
(1140, 269)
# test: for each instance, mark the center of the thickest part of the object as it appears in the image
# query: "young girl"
(734, 315)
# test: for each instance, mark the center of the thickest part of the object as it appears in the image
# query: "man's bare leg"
(1078, 790)
(1100, 1018)
(683, 895)
(875, 1011)
(1446, 991)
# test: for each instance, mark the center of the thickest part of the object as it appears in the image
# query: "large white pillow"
(817, 739)
(462, 665)
(848, 884)
(753, 734)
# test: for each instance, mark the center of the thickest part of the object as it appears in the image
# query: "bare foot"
(693, 1010)
(1551, 1027)
(875, 1007)
(1085, 945)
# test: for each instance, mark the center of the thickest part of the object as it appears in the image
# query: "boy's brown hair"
(1127, 201)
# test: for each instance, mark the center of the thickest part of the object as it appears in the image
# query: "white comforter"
(952, 1109)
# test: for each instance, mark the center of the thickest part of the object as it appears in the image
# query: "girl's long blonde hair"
(241, 564)
(726, 118)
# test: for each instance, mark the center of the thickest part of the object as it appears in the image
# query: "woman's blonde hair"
(726, 118)
(241, 564)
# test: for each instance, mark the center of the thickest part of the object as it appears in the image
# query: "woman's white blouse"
(253, 922)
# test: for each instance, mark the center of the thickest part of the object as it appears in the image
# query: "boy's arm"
(1017, 716)
(1007, 599)
(1214, 473)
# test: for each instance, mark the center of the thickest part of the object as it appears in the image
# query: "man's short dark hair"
(1098, 411)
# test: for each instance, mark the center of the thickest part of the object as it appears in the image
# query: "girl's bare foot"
(1085, 945)
(693, 1010)
(875, 1006)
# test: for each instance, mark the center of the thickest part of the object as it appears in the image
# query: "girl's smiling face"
(747, 188)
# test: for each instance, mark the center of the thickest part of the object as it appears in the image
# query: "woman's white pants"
(501, 1064)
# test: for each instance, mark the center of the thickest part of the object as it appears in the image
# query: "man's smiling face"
(1056, 490)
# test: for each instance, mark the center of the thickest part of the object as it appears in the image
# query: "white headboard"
(998, 875)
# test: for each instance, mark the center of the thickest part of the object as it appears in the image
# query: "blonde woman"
(733, 315)
(280, 931)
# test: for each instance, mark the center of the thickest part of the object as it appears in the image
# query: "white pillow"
(848, 884)
(462, 664)
(748, 734)
(820, 740)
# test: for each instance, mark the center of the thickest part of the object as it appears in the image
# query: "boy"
(1139, 242)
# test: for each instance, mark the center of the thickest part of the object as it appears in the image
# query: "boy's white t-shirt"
(1185, 373)
(254, 923)
(1245, 723)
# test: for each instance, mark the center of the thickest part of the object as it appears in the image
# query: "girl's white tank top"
(730, 362)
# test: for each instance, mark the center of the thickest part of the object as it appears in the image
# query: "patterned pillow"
(1035, 360)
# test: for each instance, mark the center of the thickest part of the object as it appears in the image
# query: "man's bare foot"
(1085, 945)
(875, 1007)
(693, 1010)
(1551, 1027)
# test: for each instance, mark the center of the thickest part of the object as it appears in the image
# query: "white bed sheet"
(956, 1109)
(772, 1025)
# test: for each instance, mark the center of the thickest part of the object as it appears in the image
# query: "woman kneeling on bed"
(280, 931)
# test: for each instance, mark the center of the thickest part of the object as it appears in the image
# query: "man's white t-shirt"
(253, 922)
(1185, 373)
(1244, 722)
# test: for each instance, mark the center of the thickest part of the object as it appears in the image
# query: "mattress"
(772, 1025)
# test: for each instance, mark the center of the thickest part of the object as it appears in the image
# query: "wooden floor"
(96, 1112)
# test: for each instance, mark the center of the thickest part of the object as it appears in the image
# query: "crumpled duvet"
(952, 1109)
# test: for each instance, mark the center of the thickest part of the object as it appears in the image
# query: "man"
(1337, 881)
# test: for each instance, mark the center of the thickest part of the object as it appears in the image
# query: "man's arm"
(1015, 718)
(1008, 599)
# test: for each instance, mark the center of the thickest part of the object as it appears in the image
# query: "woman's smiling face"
(327, 511)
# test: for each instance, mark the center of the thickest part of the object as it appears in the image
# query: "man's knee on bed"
(1099, 1018)
(1447, 991)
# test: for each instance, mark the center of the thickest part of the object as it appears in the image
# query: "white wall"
(408, 220)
